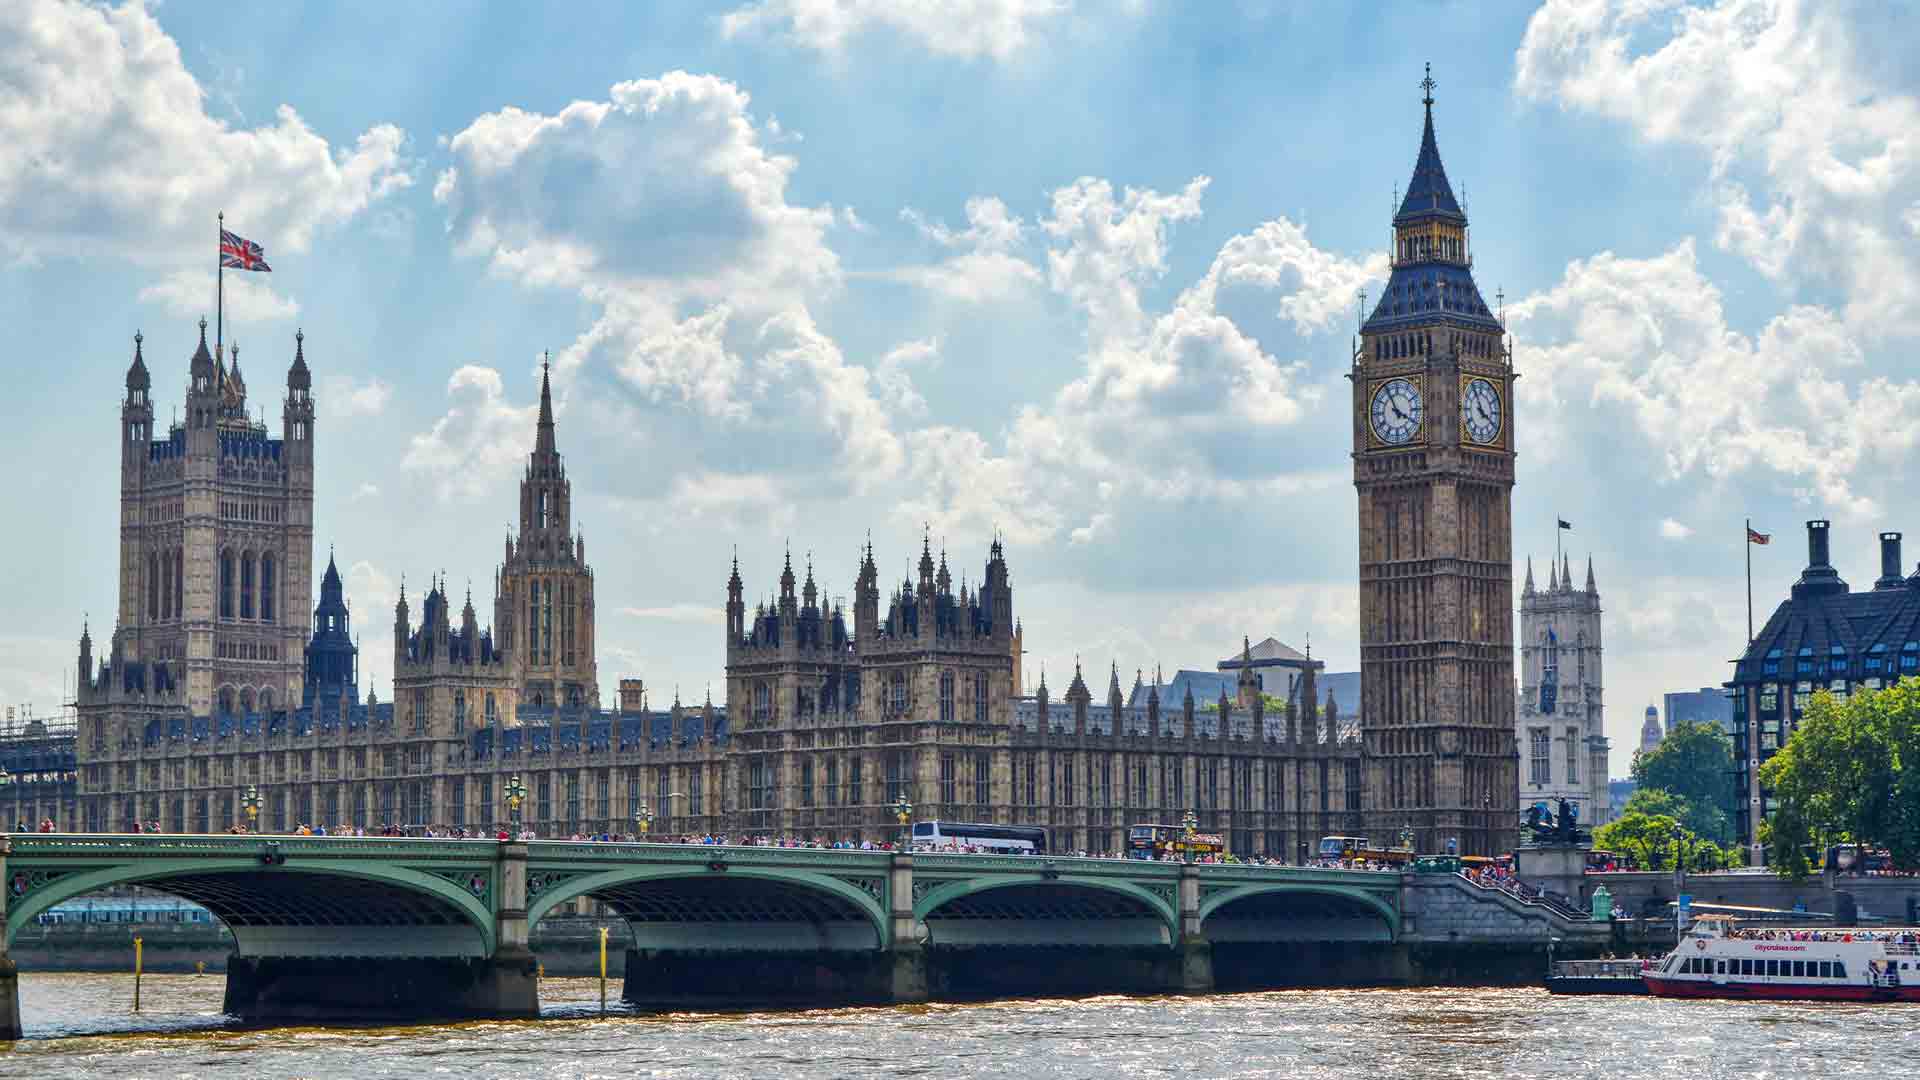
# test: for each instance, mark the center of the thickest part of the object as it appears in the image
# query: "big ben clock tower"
(1433, 461)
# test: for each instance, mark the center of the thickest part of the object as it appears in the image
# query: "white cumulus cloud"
(342, 396)
(963, 28)
(471, 449)
(248, 299)
(1673, 530)
(111, 150)
(1813, 158)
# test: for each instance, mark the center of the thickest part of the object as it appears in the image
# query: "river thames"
(81, 1026)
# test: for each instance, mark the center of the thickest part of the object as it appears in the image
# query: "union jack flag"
(239, 253)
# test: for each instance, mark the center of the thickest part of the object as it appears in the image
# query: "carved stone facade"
(1433, 439)
(1560, 722)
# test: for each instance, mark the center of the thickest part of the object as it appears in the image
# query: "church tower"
(1433, 461)
(1560, 724)
(544, 607)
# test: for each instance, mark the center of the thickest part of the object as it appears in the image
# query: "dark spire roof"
(298, 377)
(1428, 193)
(543, 440)
(137, 377)
(202, 363)
(330, 581)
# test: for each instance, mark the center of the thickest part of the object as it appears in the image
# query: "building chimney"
(1890, 577)
(1817, 544)
(1819, 577)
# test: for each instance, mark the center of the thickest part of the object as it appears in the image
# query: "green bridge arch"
(949, 891)
(154, 873)
(609, 880)
(1388, 913)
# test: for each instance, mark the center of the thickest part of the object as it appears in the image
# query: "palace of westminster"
(215, 679)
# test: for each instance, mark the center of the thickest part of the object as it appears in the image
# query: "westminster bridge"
(379, 928)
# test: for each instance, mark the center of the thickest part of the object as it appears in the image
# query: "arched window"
(267, 588)
(546, 620)
(226, 700)
(247, 568)
(459, 712)
(493, 716)
(246, 700)
(226, 584)
(533, 622)
(1582, 654)
(946, 697)
(266, 700)
(899, 692)
(153, 586)
(179, 584)
(980, 684)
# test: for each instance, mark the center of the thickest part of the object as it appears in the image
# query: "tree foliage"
(1695, 763)
(1703, 821)
(1849, 774)
(1646, 838)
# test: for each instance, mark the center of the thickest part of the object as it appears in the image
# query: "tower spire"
(543, 440)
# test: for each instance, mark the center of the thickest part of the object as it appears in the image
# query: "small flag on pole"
(1758, 537)
(1565, 524)
(239, 253)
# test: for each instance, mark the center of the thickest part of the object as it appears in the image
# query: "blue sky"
(1081, 273)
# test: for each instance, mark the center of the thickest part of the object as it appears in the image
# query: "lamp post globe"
(903, 812)
(250, 803)
(516, 794)
(643, 817)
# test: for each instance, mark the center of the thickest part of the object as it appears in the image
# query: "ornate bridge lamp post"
(1406, 836)
(516, 792)
(1188, 824)
(642, 818)
(250, 803)
(903, 810)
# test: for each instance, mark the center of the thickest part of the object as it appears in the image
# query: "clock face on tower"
(1396, 411)
(1480, 410)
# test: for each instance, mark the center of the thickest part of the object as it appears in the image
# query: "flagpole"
(219, 287)
(1746, 541)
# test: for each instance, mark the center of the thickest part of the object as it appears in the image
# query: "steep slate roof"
(1825, 630)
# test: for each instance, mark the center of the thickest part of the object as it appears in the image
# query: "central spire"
(543, 439)
(1429, 195)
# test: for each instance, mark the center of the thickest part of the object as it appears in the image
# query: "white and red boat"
(1718, 958)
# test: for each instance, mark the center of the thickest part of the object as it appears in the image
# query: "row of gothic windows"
(249, 579)
(541, 600)
(166, 588)
(245, 700)
(1446, 247)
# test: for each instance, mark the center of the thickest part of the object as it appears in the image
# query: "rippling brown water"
(80, 1026)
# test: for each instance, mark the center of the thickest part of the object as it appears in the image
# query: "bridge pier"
(9, 974)
(1196, 952)
(909, 955)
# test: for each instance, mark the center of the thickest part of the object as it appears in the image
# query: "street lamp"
(1188, 824)
(516, 793)
(643, 817)
(1679, 880)
(250, 802)
(903, 812)
(1406, 836)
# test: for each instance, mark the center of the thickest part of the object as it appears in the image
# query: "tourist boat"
(1596, 977)
(1717, 958)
